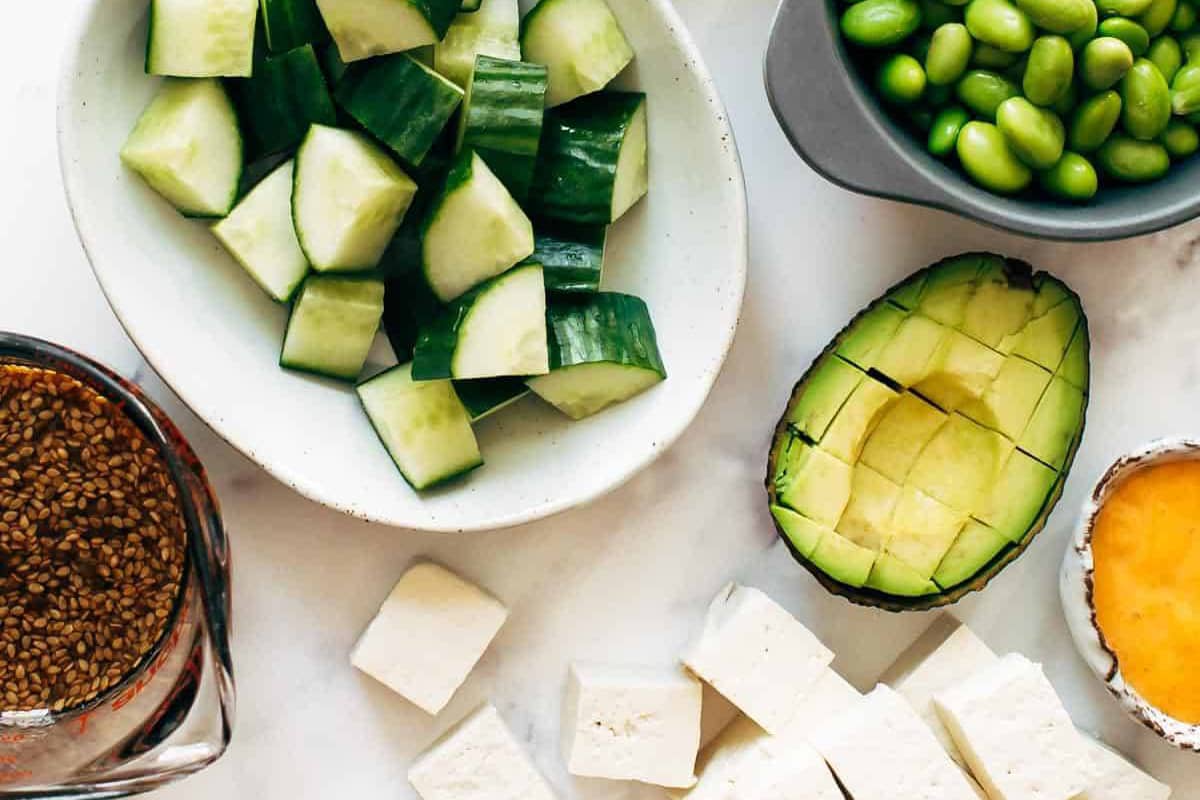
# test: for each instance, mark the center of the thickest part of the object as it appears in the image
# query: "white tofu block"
(716, 715)
(758, 656)
(1019, 741)
(1114, 778)
(431, 631)
(632, 723)
(881, 750)
(829, 698)
(479, 759)
(947, 654)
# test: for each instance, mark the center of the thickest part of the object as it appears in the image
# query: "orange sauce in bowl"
(1146, 546)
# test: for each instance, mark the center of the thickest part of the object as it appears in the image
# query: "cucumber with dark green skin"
(408, 306)
(288, 24)
(486, 396)
(580, 173)
(332, 64)
(502, 118)
(470, 5)
(286, 95)
(571, 254)
(400, 102)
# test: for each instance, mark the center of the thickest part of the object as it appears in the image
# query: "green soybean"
(881, 23)
(1103, 62)
(983, 92)
(1167, 55)
(1094, 121)
(1035, 134)
(1185, 90)
(1049, 70)
(1084, 34)
(944, 131)
(1127, 159)
(1184, 19)
(1145, 100)
(949, 54)
(1000, 24)
(1180, 139)
(1057, 16)
(1072, 178)
(901, 79)
(1191, 46)
(1128, 32)
(1122, 8)
(1157, 17)
(935, 14)
(989, 161)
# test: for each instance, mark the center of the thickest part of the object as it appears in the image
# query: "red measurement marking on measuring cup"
(12, 776)
(14, 738)
(127, 696)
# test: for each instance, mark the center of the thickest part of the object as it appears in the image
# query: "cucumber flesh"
(348, 199)
(474, 230)
(366, 28)
(333, 324)
(188, 147)
(201, 38)
(580, 42)
(493, 29)
(423, 425)
(497, 329)
(288, 24)
(502, 119)
(633, 174)
(603, 350)
(260, 235)
(286, 95)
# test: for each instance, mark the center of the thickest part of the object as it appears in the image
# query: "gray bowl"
(836, 125)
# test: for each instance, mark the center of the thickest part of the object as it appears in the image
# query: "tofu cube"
(881, 750)
(830, 697)
(479, 759)
(431, 631)
(947, 654)
(1015, 734)
(1114, 778)
(758, 656)
(632, 723)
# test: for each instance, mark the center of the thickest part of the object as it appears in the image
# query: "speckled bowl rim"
(1076, 587)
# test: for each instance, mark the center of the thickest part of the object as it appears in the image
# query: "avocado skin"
(1019, 273)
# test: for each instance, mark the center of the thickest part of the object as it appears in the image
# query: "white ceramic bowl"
(214, 337)
(1075, 586)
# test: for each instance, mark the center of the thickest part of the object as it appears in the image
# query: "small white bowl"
(214, 337)
(1075, 586)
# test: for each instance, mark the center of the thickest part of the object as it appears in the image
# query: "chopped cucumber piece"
(485, 397)
(348, 200)
(201, 38)
(423, 425)
(286, 95)
(502, 119)
(579, 41)
(399, 101)
(492, 29)
(332, 64)
(366, 28)
(473, 231)
(592, 164)
(496, 329)
(188, 147)
(333, 323)
(571, 254)
(289, 24)
(260, 235)
(470, 5)
(603, 350)
(408, 306)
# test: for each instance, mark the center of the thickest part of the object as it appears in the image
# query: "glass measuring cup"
(172, 715)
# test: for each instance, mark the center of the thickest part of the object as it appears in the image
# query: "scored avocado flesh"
(929, 438)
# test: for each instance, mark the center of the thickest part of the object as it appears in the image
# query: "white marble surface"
(628, 577)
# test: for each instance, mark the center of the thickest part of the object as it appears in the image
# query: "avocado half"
(927, 445)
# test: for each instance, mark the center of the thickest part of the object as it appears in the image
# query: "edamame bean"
(1157, 17)
(987, 158)
(1057, 16)
(1103, 62)
(1094, 121)
(1167, 55)
(1185, 90)
(1127, 159)
(1072, 178)
(1191, 46)
(1122, 8)
(880, 23)
(901, 79)
(1128, 32)
(1145, 100)
(983, 92)
(1180, 139)
(1085, 34)
(949, 54)
(1000, 24)
(935, 14)
(944, 132)
(1049, 70)
(1184, 19)
(1035, 134)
